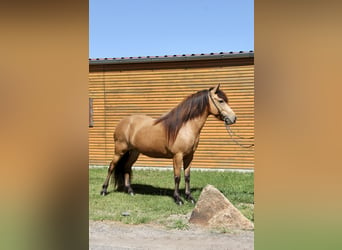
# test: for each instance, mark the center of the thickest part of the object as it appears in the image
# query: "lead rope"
(231, 133)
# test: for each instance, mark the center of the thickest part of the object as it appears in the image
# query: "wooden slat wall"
(154, 92)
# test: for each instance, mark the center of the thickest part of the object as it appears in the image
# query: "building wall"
(153, 89)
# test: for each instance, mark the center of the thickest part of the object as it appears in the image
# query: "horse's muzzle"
(228, 121)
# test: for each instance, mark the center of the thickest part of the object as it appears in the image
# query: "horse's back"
(129, 122)
(128, 126)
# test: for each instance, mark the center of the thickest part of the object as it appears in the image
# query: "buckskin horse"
(174, 135)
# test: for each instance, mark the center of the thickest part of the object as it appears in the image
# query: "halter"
(219, 109)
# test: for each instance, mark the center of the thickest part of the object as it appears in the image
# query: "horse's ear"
(216, 88)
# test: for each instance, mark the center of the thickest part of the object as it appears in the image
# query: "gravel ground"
(105, 235)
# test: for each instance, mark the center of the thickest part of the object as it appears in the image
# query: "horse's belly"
(155, 154)
(153, 150)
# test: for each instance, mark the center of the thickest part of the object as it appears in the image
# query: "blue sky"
(153, 28)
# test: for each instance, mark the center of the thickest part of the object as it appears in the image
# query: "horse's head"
(218, 106)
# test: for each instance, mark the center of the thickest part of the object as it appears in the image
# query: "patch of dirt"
(105, 235)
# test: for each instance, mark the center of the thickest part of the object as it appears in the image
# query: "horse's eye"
(221, 101)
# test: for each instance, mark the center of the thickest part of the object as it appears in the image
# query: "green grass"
(179, 224)
(153, 200)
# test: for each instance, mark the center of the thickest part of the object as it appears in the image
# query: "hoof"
(179, 203)
(103, 193)
(129, 191)
(177, 199)
(190, 199)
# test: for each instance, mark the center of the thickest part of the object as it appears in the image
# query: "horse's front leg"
(177, 166)
(187, 163)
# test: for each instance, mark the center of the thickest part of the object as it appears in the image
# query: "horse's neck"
(198, 123)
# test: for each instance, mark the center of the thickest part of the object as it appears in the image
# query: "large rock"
(214, 210)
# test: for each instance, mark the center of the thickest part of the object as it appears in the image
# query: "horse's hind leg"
(120, 151)
(106, 182)
(133, 156)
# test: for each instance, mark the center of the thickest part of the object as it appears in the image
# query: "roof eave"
(166, 58)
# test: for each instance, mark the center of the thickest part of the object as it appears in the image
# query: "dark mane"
(190, 108)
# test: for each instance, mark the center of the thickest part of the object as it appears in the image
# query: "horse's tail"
(119, 171)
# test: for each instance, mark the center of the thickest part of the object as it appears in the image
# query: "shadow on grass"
(151, 190)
